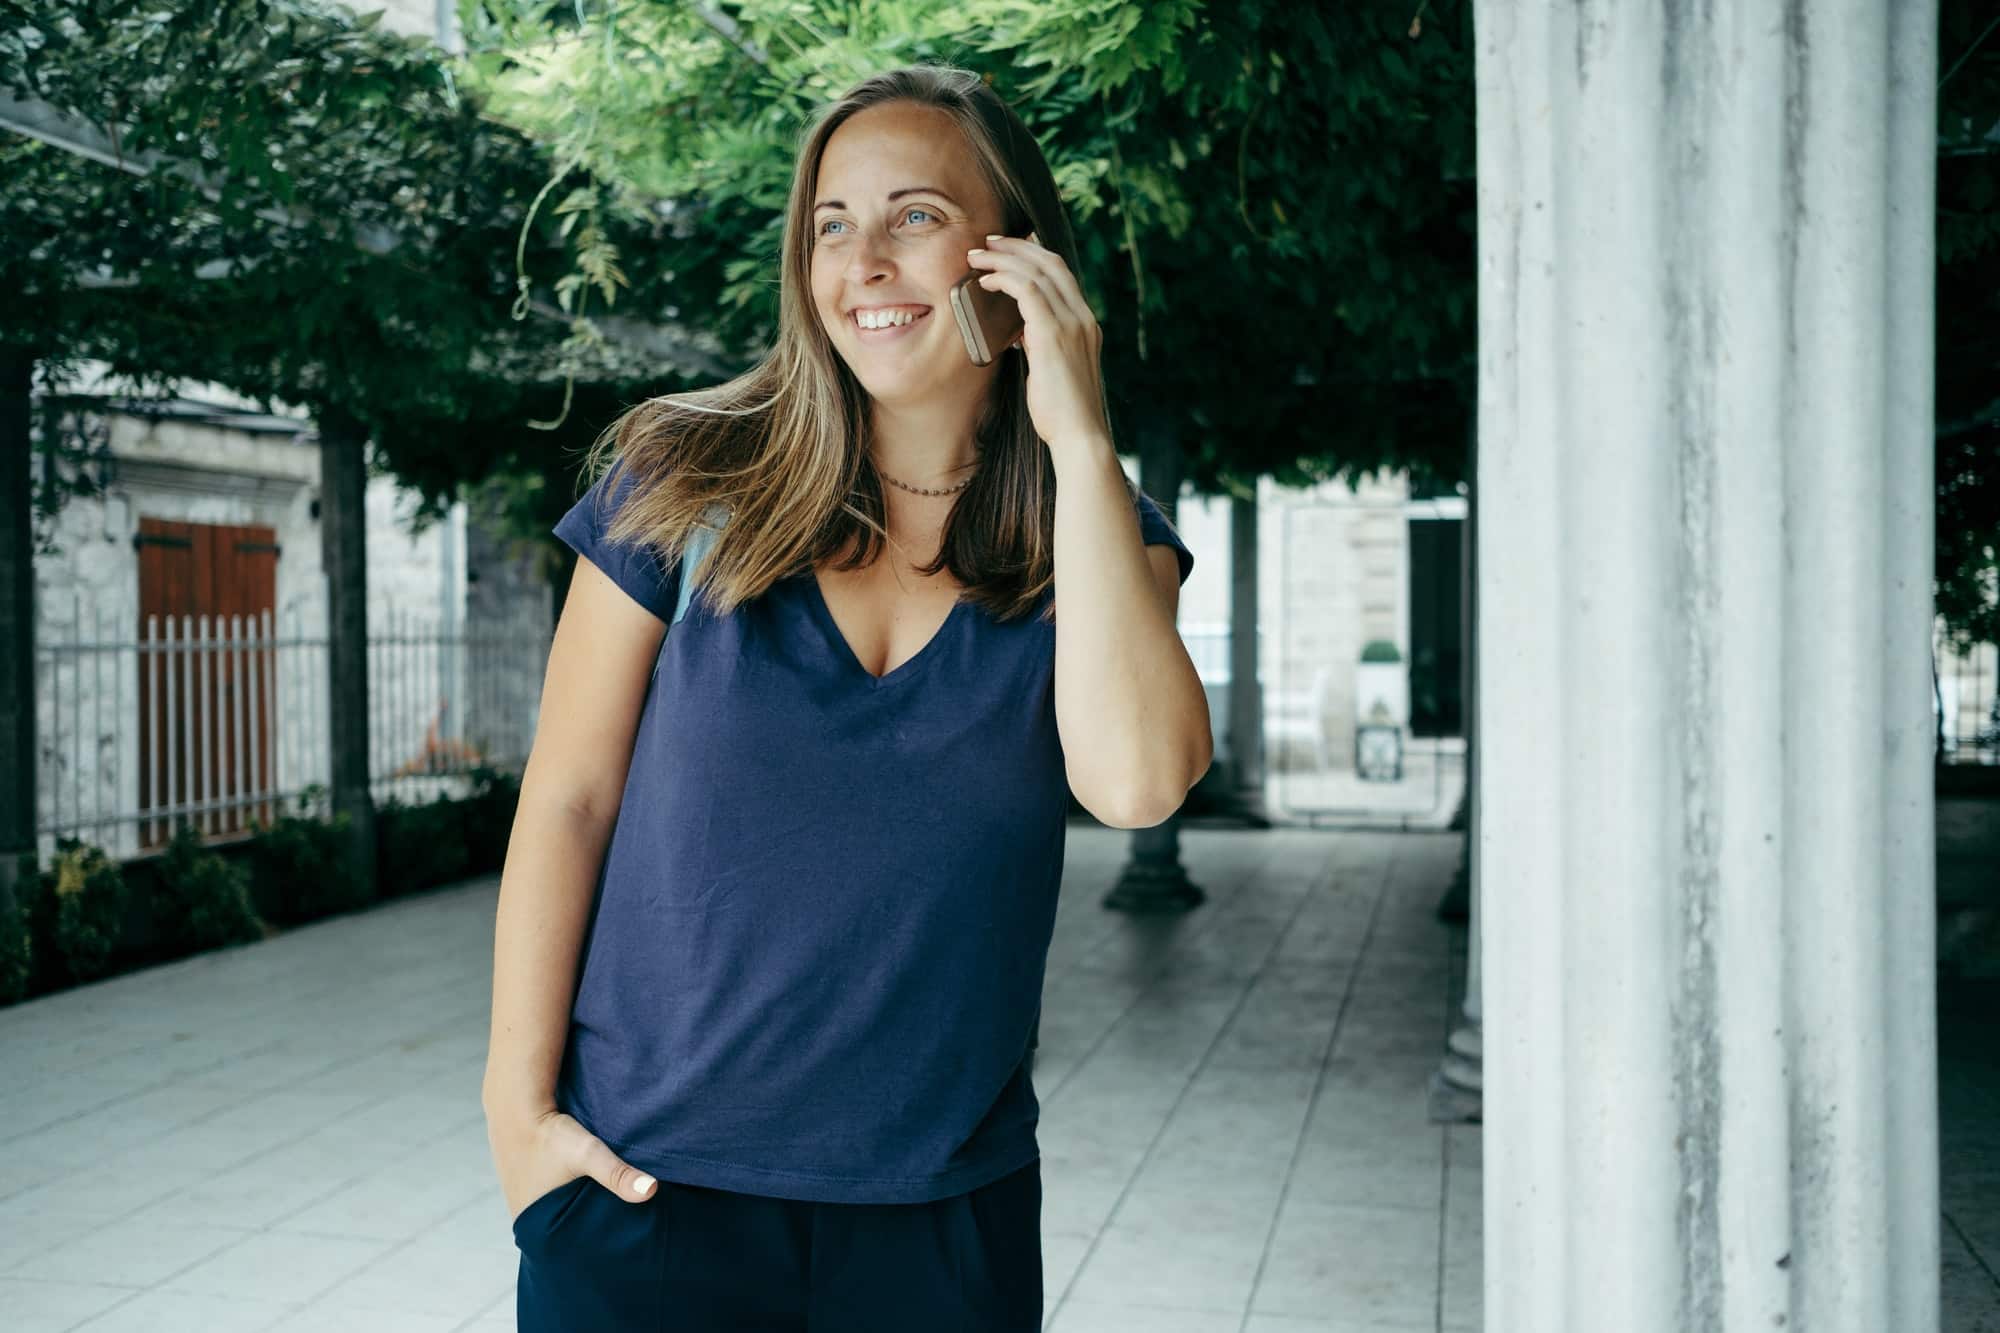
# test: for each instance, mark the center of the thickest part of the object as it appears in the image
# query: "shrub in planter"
(302, 868)
(487, 816)
(204, 901)
(83, 909)
(17, 947)
(419, 845)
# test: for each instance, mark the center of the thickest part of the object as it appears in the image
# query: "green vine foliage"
(326, 222)
(1275, 206)
(1968, 322)
(1274, 202)
(17, 944)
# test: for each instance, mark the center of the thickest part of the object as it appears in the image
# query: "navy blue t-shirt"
(814, 963)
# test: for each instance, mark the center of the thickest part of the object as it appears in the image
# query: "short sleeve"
(647, 579)
(1154, 530)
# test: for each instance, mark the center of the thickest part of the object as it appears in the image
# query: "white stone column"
(1705, 477)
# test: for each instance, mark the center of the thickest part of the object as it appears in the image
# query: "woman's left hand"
(1060, 337)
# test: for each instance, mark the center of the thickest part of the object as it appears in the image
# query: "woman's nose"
(868, 254)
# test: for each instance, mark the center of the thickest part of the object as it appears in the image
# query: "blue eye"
(913, 208)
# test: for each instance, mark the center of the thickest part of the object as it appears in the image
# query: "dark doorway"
(1437, 706)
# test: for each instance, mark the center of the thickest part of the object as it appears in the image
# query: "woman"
(778, 900)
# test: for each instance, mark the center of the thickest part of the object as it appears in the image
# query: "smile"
(888, 332)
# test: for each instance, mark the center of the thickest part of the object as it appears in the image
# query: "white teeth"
(875, 319)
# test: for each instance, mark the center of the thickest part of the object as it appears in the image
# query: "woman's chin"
(900, 384)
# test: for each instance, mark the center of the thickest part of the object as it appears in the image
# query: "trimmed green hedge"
(204, 900)
(302, 868)
(438, 842)
(86, 916)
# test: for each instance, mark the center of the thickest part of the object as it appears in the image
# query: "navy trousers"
(698, 1260)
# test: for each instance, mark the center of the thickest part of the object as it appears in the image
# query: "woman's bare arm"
(600, 663)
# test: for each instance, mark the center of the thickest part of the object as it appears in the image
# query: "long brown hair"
(783, 448)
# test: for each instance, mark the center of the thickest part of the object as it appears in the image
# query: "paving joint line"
(1319, 1081)
(1320, 881)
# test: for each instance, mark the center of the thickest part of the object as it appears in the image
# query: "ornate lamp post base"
(1154, 881)
(1456, 1085)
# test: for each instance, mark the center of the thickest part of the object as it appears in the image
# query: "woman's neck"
(931, 447)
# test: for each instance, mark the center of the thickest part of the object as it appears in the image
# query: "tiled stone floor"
(287, 1136)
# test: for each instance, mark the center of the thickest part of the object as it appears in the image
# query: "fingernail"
(994, 236)
(642, 1184)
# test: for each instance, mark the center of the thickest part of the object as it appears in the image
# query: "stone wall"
(427, 690)
(87, 589)
(1333, 573)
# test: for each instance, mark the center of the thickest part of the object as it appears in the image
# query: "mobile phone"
(987, 320)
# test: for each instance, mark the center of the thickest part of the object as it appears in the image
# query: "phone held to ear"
(987, 320)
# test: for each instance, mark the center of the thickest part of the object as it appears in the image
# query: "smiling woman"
(893, 185)
(804, 993)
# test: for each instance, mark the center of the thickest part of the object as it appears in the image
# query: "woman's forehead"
(896, 147)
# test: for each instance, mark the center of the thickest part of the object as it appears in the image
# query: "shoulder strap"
(714, 519)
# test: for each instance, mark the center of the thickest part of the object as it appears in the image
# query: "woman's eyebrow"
(894, 195)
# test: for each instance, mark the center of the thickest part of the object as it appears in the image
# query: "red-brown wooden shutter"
(216, 571)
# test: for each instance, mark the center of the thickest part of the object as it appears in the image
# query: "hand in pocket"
(537, 1154)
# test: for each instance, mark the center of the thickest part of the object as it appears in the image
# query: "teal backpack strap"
(699, 542)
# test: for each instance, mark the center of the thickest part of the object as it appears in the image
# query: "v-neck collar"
(816, 600)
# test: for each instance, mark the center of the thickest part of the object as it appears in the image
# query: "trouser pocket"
(546, 1212)
(589, 1260)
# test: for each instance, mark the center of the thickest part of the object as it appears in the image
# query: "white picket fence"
(218, 721)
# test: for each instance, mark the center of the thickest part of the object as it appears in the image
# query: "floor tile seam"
(241, 1231)
(1971, 1249)
(1271, 855)
(1194, 1075)
(111, 1220)
(70, 1282)
(1338, 820)
(1443, 1223)
(224, 1109)
(134, 1095)
(243, 1234)
(198, 1071)
(295, 1000)
(287, 1308)
(140, 1293)
(99, 1314)
(1156, 1305)
(266, 1229)
(56, 1075)
(1375, 910)
(1368, 1206)
(1453, 1001)
(504, 1303)
(1139, 995)
(1110, 931)
(292, 1307)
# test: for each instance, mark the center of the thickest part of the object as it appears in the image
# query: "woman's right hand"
(536, 1153)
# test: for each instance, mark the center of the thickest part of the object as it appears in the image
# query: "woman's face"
(876, 253)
